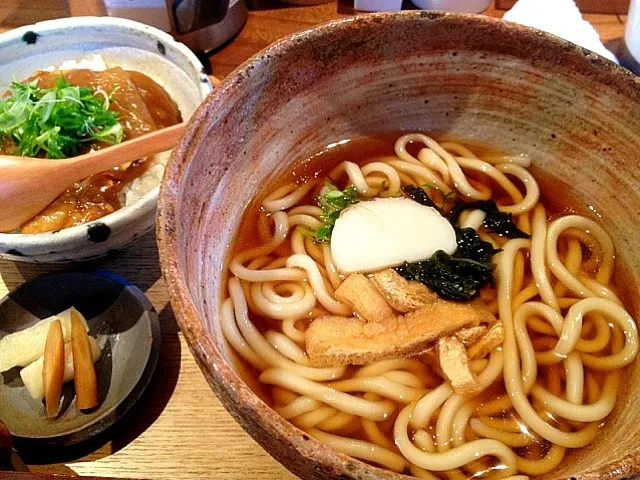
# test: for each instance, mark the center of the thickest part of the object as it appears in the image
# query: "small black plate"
(126, 326)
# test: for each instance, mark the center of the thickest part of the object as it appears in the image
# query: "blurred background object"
(630, 55)
(203, 25)
(567, 22)
(15, 13)
(206, 24)
(306, 2)
(586, 6)
(377, 5)
(464, 6)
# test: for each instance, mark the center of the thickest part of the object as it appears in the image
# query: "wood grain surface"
(179, 430)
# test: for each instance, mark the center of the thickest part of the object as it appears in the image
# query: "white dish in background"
(123, 43)
(463, 6)
(631, 49)
(377, 5)
(566, 22)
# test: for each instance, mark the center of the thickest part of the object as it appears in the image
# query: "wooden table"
(179, 430)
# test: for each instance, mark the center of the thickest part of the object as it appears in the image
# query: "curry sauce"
(143, 107)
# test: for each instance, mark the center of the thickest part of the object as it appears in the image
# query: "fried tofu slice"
(360, 294)
(333, 341)
(454, 364)
(492, 338)
(403, 295)
(468, 336)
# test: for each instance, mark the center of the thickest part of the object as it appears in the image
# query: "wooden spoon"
(27, 185)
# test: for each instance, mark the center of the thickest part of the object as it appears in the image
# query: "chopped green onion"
(56, 121)
(332, 203)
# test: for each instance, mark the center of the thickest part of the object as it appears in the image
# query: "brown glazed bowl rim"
(207, 355)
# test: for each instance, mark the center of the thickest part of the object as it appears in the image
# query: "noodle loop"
(547, 388)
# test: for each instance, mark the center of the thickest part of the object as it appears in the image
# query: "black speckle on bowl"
(206, 64)
(161, 48)
(30, 38)
(15, 253)
(98, 232)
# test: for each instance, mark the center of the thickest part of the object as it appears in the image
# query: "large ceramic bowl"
(576, 114)
(120, 42)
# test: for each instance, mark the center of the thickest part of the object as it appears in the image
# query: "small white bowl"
(121, 42)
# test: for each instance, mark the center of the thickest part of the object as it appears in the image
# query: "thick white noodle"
(566, 333)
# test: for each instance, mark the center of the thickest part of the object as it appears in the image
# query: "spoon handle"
(27, 185)
(140, 147)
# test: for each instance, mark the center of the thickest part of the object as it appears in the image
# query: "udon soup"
(425, 307)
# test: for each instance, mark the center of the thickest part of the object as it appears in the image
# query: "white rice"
(94, 62)
(151, 177)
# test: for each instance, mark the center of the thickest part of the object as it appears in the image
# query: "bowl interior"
(516, 89)
(121, 43)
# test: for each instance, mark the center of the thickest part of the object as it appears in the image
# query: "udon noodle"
(547, 389)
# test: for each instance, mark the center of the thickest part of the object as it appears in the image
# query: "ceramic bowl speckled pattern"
(576, 114)
(120, 42)
(125, 325)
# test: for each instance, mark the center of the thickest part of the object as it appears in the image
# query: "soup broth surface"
(527, 445)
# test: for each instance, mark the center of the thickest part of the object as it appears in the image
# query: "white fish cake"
(386, 232)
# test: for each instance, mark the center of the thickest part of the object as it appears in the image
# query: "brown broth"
(364, 150)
